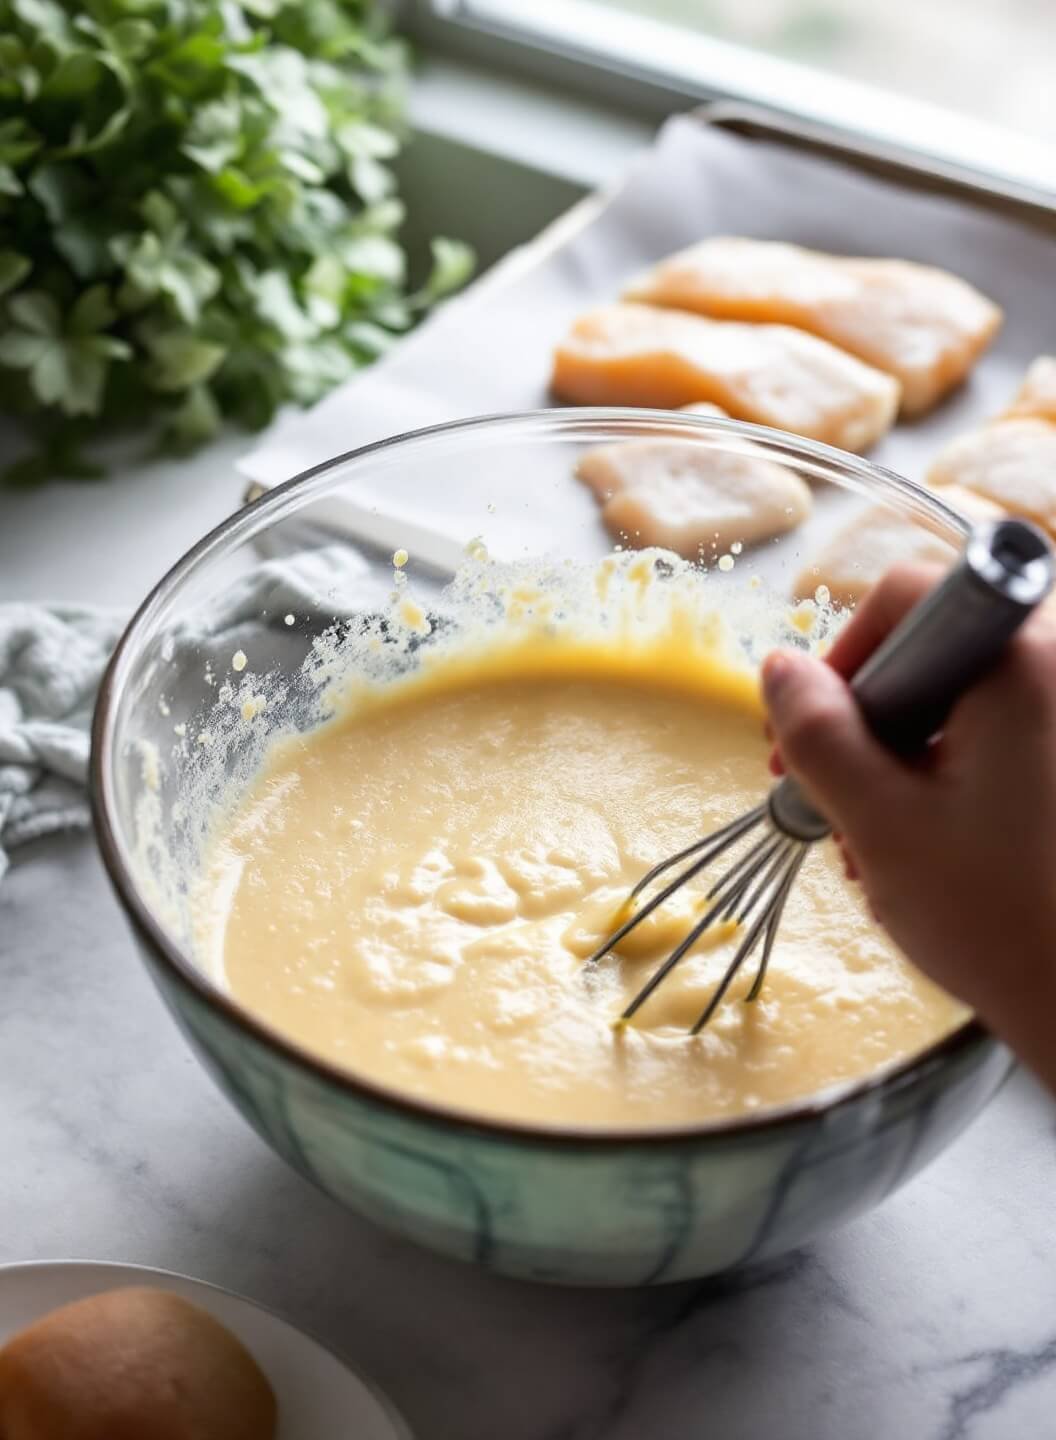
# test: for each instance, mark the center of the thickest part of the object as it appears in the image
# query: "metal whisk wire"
(905, 691)
(772, 863)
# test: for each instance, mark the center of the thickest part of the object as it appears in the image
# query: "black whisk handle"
(911, 682)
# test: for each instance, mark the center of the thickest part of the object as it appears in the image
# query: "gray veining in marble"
(934, 1318)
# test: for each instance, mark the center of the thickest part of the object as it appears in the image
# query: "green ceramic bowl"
(546, 1203)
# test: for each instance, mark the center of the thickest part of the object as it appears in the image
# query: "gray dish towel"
(51, 662)
(52, 659)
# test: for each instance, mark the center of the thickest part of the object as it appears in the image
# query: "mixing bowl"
(244, 627)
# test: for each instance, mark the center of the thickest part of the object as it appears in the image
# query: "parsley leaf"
(198, 217)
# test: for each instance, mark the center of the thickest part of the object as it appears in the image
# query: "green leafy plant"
(197, 215)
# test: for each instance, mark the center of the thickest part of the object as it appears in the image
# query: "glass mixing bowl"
(237, 641)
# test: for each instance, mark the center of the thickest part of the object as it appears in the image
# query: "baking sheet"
(489, 350)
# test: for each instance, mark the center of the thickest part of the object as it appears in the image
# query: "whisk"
(905, 691)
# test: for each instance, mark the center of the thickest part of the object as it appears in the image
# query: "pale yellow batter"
(411, 891)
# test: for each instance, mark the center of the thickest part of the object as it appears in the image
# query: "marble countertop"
(933, 1318)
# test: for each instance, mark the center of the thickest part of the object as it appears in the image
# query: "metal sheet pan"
(724, 170)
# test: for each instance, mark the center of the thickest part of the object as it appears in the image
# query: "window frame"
(629, 62)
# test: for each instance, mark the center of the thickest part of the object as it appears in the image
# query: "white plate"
(319, 1397)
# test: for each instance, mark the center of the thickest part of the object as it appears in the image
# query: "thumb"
(825, 742)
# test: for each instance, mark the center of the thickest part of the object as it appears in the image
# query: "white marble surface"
(932, 1319)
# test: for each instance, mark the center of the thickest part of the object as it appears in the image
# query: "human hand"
(956, 851)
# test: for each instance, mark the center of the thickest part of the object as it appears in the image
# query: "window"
(994, 59)
(966, 82)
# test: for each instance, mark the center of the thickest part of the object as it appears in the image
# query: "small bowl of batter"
(370, 806)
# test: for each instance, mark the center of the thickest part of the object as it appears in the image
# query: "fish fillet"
(690, 498)
(771, 374)
(921, 324)
(1037, 395)
(1011, 462)
(609, 468)
(854, 559)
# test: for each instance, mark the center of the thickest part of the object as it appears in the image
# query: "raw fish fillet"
(609, 468)
(1037, 395)
(689, 498)
(1011, 462)
(921, 324)
(854, 559)
(770, 374)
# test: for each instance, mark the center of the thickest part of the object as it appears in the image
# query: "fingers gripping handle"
(911, 682)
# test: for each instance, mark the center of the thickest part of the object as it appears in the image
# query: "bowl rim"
(970, 1033)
